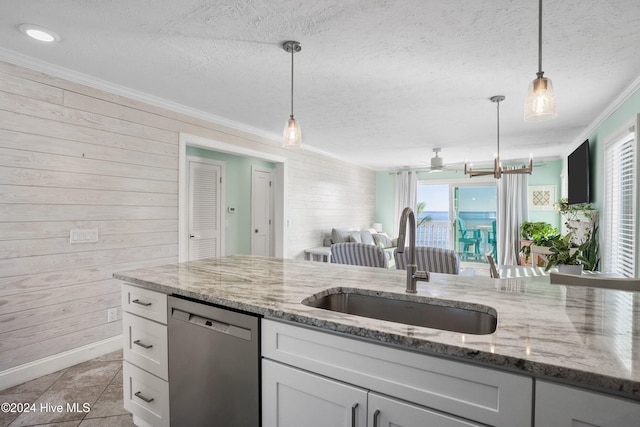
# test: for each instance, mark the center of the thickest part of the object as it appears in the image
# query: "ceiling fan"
(437, 163)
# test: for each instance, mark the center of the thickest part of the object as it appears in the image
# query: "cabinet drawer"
(146, 344)
(482, 394)
(145, 303)
(146, 396)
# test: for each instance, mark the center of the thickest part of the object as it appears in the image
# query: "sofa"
(369, 237)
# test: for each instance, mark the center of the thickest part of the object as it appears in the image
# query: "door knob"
(256, 230)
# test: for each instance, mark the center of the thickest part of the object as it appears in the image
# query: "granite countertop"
(585, 336)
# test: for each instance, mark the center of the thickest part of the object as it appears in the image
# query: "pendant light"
(541, 102)
(292, 136)
(498, 170)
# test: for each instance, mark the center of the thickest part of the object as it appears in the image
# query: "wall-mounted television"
(578, 175)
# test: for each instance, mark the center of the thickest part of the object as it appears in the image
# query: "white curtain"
(512, 211)
(406, 194)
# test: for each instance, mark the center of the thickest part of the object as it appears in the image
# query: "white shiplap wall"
(76, 157)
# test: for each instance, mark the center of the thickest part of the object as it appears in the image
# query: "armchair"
(433, 260)
(358, 254)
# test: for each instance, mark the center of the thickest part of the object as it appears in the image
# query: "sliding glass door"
(459, 217)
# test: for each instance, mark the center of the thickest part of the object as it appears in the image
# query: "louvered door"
(205, 209)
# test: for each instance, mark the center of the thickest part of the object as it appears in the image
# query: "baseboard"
(48, 365)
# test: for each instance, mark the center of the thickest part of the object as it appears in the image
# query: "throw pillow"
(366, 237)
(355, 237)
(382, 240)
(339, 236)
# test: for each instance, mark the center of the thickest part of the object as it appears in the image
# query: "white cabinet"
(294, 398)
(146, 367)
(387, 412)
(462, 390)
(564, 406)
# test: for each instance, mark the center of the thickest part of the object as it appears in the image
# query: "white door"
(205, 202)
(261, 211)
(387, 412)
(295, 398)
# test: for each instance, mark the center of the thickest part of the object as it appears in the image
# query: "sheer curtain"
(512, 211)
(406, 193)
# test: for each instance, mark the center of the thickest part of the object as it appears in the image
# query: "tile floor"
(97, 383)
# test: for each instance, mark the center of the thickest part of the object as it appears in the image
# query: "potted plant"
(581, 221)
(535, 233)
(578, 218)
(572, 259)
(589, 251)
(563, 255)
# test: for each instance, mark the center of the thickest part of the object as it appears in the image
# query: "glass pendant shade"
(292, 135)
(541, 101)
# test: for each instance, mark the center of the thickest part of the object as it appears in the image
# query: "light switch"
(79, 235)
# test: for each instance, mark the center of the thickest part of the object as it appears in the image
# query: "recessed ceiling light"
(39, 33)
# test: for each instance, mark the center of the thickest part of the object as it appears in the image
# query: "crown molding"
(96, 83)
(104, 85)
(628, 91)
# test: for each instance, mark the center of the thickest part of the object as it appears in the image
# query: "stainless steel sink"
(417, 311)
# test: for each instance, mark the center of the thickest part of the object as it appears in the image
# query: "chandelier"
(498, 170)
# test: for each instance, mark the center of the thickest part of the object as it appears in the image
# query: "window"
(620, 222)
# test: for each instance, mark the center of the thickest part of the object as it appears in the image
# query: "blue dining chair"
(470, 241)
(491, 239)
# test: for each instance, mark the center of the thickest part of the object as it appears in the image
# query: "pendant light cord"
(498, 126)
(292, 52)
(540, 39)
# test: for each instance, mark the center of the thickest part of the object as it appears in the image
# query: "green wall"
(385, 201)
(237, 195)
(626, 111)
(548, 174)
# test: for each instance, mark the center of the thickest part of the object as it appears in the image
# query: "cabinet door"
(294, 398)
(386, 412)
(563, 406)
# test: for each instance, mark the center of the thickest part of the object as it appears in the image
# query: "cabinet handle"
(143, 345)
(137, 301)
(139, 395)
(376, 415)
(354, 410)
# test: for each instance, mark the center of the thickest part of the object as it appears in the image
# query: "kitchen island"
(584, 337)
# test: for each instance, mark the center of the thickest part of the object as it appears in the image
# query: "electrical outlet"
(112, 315)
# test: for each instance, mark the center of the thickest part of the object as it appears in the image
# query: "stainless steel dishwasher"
(214, 366)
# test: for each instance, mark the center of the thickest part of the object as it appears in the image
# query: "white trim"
(279, 196)
(48, 365)
(604, 115)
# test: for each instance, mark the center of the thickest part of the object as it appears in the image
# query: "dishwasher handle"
(214, 325)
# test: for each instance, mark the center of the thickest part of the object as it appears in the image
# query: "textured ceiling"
(378, 82)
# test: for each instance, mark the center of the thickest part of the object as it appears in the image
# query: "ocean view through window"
(440, 205)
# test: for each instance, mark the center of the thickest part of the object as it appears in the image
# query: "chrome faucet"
(412, 274)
